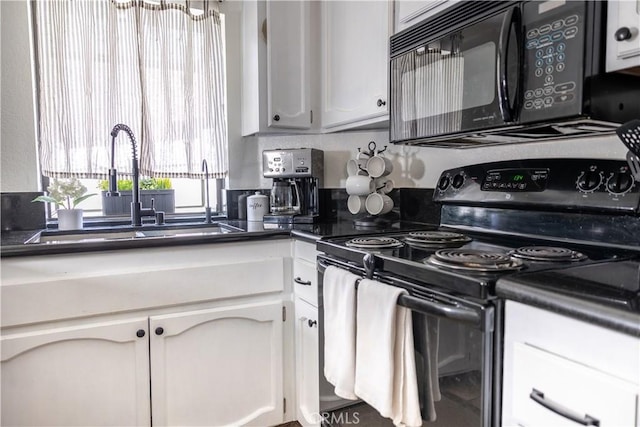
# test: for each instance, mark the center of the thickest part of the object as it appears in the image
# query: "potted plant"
(158, 189)
(67, 194)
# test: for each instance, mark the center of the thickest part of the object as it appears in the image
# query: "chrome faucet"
(137, 212)
(205, 169)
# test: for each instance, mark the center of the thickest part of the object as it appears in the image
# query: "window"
(157, 67)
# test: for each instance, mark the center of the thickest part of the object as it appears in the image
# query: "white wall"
(413, 166)
(17, 136)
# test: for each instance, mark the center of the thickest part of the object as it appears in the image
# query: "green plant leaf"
(81, 198)
(47, 199)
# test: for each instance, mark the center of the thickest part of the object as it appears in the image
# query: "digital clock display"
(520, 180)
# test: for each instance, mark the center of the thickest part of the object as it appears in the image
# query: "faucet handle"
(159, 218)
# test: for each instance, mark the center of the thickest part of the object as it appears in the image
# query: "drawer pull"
(585, 420)
(299, 281)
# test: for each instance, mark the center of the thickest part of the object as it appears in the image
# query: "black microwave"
(503, 71)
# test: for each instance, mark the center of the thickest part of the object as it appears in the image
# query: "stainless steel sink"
(86, 236)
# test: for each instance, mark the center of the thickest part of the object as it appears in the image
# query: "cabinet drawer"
(305, 251)
(305, 281)
(548, 390)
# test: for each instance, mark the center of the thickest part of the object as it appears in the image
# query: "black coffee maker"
(297, 174)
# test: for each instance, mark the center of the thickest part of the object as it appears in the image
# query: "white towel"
(385, 362)
(339, 299)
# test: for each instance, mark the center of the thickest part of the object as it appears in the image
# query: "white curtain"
(156, 67)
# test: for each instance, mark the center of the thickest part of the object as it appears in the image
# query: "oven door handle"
(447, 311)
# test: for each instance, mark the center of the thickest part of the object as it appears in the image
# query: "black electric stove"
(515, 218)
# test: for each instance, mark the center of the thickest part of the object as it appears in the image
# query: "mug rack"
(382, 186)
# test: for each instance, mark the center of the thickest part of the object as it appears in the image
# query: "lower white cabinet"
(559, 371)
(550, 390)
(307, 365)
(222, 366)
(95, 373)
(155, 336)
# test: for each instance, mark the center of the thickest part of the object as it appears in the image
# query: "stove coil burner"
(547, 253)
(474, 260)
(374, 243)
(436, 239)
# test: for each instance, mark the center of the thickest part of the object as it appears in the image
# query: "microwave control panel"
(554, 38)
(577, 184)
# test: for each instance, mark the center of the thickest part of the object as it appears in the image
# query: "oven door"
(464, 81)
(455, 354)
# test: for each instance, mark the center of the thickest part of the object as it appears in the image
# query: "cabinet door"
(305, 281)
(410, 12)
(307, 367)
(355, 39)
(288, 64)
(623, 34)
(96, 374)
(219, 367)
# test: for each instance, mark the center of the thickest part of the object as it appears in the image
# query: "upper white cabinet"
(623, 37)
(355, 61)
(410, 12)
(276, 66)
(288, 64)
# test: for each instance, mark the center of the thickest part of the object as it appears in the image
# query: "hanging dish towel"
(339, 300)
(385, 361)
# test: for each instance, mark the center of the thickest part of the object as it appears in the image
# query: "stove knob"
(444, 183)
(589, 181)
(458, 180)
(620, 182)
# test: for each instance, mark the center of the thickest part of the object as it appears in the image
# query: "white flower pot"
(69, 219)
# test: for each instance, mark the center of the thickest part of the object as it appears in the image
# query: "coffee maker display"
(297, 177)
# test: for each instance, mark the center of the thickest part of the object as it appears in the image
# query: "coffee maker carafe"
(285, 197)
(297, 177)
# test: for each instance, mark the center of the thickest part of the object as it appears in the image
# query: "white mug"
(378, 204)
(354, 167)
(385, 187)
(360, 185)
(356, 204)
(378, 166)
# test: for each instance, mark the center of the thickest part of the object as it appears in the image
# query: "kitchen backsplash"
(18, 213)
(410, 204)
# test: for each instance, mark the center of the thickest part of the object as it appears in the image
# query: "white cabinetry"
(560, 371)
(276, 66)
(355, 62)
(306, 333)
(623, 34)
(94, 373)
(410, 12)
(220, 366)
(85, 336)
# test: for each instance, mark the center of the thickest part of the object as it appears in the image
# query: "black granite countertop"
(605, 294)
(12, 243)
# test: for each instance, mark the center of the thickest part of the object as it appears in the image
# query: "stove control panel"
(565, 184)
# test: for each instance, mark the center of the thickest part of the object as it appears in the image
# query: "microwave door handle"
(511, 18)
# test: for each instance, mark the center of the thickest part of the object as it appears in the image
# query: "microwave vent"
(446, 22)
